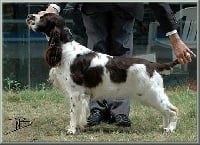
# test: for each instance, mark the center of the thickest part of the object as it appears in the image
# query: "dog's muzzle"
(30, 20)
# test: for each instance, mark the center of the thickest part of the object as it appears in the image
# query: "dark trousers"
(110, 31)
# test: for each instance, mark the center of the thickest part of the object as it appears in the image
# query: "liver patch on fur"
(84, 75)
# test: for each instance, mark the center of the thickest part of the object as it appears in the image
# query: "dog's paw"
(71, 131)
(167, 131)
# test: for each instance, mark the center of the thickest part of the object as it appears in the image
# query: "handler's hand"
(41, 13)
(49, 9)
(182, 52)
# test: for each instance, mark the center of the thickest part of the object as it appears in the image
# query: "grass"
(49, 112)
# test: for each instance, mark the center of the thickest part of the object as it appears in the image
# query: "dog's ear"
(54, 52)
(55, 36)
(66, 35)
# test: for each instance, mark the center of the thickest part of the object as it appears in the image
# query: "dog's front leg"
(83, 110)
(74, 113)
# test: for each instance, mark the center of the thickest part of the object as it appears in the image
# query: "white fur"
(148, 90)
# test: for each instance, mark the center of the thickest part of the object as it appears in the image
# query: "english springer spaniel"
(83, 74)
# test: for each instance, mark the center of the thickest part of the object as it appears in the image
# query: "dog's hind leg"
(169, 112)
(171, 118)
(157, 99)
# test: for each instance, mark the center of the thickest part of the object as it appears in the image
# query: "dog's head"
(57, 33)
(45, 23)
(49, 23)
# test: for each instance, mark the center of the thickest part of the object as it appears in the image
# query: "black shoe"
(95, 118)
(122, 120)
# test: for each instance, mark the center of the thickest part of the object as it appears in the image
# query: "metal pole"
(29, 52)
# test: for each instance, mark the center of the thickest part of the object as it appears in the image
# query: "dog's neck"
(65, 36)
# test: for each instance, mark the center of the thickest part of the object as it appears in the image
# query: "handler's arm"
(168, 24)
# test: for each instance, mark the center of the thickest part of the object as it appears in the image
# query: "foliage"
(11, 85)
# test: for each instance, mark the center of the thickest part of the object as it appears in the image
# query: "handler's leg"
(121, 34)
(99, 29)
(96, 25)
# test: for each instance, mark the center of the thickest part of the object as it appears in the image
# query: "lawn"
(48, 111)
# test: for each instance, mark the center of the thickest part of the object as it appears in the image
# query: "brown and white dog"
(83, 74)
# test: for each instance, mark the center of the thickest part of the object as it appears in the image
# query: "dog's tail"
(163, 67)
